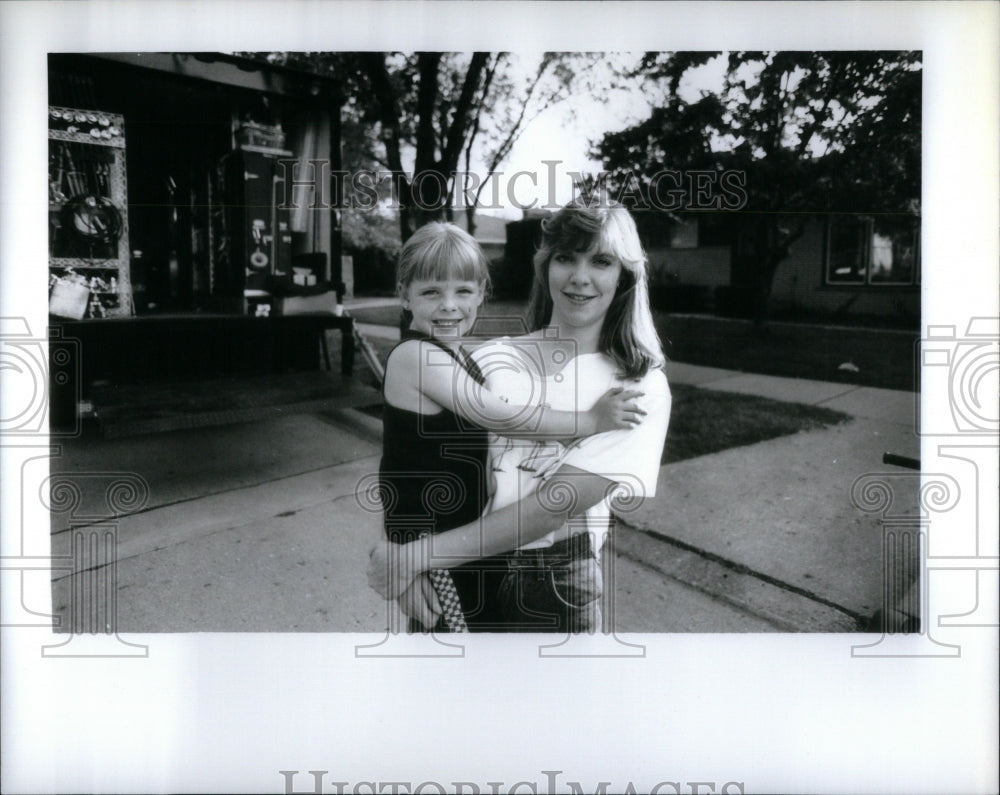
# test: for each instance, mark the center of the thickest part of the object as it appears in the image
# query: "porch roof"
(233, 70)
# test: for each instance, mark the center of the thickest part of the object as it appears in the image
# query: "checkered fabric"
(444, 587)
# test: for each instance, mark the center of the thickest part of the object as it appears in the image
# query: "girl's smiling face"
(582, 285)
(443, 308)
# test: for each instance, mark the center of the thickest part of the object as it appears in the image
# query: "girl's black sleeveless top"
(433, 470)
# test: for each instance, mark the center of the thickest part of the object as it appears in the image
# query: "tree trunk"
(773, 246)
(424, 198)
(470, 220)
(762, 291)
(406, 225)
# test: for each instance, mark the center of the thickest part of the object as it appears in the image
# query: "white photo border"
(227, 713)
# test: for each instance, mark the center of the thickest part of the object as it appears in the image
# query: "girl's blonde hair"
(439, 252)
(628, 335)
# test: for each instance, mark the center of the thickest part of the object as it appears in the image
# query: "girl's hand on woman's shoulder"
(617, 409)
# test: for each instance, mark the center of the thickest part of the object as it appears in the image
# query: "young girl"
(590, 295)
(433, 474)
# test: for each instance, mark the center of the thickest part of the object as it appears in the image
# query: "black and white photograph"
(370, 375)
(773, 202)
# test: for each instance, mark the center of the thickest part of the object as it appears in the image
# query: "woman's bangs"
(572, 232)
(615, 241)
(604, 230)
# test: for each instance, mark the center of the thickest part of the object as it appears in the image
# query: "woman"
(551, 505)
(433, 475)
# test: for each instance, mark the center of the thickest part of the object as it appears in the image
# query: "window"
(881, 250)
(684, 232)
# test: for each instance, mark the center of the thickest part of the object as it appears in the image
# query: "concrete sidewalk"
(257, 527)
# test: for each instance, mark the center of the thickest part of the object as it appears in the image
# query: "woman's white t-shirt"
(627, 457)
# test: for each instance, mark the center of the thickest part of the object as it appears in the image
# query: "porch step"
(134, 409)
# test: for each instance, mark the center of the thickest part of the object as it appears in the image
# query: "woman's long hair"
(628, 335)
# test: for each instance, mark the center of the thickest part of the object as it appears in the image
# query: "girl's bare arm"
(450, 386)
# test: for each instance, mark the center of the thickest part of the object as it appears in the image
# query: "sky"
(555, 145)
(565, 132)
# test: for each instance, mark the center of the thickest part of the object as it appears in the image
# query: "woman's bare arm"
(569, 491)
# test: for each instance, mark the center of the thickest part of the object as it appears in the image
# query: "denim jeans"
(554, 589)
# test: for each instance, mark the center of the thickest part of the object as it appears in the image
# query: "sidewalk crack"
(740, 568)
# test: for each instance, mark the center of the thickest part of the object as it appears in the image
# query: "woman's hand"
(393, 567)
(420, 601)
(616, 410)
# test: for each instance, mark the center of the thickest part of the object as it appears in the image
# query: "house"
(204, 134)
(185, 244)
(490, 232)
(843, 266)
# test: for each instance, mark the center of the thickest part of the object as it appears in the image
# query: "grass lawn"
(884, 358)
(705, 421)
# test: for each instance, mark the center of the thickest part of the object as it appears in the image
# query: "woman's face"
(582, 285)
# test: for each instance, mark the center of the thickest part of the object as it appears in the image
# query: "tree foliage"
(455, 113)
(812, 132)
(509, 102)
(424, 101)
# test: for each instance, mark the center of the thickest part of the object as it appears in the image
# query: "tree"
(514, 104)
(427, 101)
(809, 132)
(428, 111)
(419, 103)
(441, 106)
